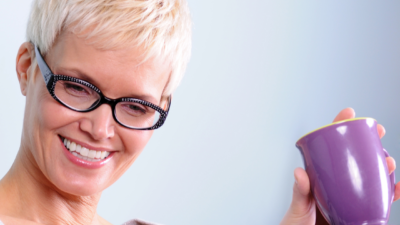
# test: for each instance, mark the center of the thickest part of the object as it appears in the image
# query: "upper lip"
(90, 147)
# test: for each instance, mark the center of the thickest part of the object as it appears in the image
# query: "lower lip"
(83, 163)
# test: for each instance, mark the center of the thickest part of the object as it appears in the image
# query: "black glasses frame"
(50, 79)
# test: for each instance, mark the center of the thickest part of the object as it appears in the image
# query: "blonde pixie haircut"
(161, 27)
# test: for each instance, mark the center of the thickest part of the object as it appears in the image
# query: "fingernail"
(394, 162)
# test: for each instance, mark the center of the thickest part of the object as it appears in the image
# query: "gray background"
(262, 74)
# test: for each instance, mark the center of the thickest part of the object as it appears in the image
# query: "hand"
(303, 210)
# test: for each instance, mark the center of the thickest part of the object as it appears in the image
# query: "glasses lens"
(75, 95)
(136, 115)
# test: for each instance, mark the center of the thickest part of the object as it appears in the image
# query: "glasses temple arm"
(44, 68)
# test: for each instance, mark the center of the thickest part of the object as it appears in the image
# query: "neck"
(30, 195)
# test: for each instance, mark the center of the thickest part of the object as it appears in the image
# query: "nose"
(99, 123)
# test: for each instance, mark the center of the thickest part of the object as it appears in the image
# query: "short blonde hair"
(162, 27)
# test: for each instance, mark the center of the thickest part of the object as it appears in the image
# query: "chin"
(71, 179)
(79, 185)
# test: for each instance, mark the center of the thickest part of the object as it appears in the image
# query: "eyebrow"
(79, 74)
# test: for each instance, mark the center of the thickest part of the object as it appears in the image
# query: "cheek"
(41, 114)
(54, 115)
(135, 141)
(44, 116)
(42, 111)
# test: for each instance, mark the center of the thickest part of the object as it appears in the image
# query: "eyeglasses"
(82, 96)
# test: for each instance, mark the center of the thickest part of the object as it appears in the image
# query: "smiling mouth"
(84, 153)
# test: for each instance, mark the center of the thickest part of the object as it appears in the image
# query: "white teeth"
(92, 154)
(72, 147)
(84, 151)
(98, 155)
(78, 148)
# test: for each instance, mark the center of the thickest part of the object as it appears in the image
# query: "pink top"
(137, 222)
(131, 222)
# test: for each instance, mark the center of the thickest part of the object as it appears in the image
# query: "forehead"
(117, 73)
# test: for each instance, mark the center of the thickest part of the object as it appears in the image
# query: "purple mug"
(348, 172)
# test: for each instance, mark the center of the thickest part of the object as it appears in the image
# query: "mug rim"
(334, 123)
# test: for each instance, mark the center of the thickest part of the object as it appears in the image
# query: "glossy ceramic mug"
(348, 172)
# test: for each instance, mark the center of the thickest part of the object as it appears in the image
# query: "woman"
(98, 77)
(118, 64)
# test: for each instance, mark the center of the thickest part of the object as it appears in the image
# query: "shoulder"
(15, 221)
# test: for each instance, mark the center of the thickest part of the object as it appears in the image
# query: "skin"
(303, 210)
(43, 186)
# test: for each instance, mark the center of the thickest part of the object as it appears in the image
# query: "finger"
(347, 113)
(302, 181)
(397, 192)
(381, 131)
(301, 193)
(302, 209)
(391, 163)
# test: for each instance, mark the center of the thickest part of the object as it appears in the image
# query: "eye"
(137, 108)
(77, 89)
(134, 109)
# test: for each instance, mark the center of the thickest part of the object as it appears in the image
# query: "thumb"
(302, 202)
(302, 208)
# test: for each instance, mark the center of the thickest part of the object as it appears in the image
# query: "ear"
(165, 100)
(24, 65)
